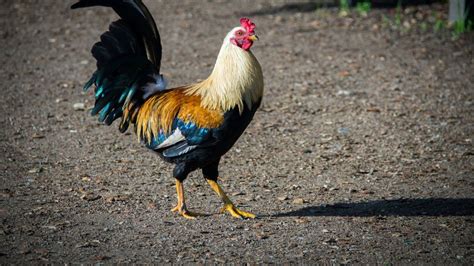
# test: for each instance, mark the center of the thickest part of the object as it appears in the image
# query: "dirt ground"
(361, 153)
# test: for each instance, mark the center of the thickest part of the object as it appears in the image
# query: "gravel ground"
(361, 153)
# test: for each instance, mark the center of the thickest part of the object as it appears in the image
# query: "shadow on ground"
(399, 207)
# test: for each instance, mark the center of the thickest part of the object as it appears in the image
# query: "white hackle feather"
(236, 79)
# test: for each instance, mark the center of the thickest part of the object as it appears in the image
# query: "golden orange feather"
(159, 111)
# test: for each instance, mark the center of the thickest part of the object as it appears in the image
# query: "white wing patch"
(173, 139)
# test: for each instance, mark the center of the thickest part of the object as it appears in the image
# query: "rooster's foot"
(185, 213)
(236, 212)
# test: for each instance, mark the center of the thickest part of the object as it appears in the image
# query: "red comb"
(248, 25)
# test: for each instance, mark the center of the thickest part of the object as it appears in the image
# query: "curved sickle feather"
(135, 13)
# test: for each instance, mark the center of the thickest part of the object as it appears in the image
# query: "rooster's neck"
(236, 80)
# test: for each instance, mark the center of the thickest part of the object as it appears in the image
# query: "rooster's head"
(243, 36)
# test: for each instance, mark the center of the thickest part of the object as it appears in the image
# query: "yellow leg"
(181, 206)
(228, 205)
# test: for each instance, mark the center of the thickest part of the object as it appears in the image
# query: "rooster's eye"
(239, 33)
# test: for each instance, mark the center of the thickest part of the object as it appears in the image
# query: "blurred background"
(361, 152)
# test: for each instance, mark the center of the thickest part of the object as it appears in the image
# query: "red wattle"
(246, 45)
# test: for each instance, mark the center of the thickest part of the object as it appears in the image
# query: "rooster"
(191, 126)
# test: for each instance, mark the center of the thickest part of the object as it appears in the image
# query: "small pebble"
(79, 107)
(298, 201)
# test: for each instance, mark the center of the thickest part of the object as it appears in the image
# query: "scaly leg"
(181, 206)
(228, 205)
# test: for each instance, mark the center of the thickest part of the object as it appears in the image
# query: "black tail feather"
(111, 44)
(135, 14)
(128, 58)
(118, 42)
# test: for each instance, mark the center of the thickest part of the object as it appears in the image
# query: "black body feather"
(207, 155)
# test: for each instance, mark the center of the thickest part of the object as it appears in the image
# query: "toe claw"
(188, 215)
(247, 214)
(183, 211)
(236, 212)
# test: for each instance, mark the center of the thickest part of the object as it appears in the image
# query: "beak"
(253, 38)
